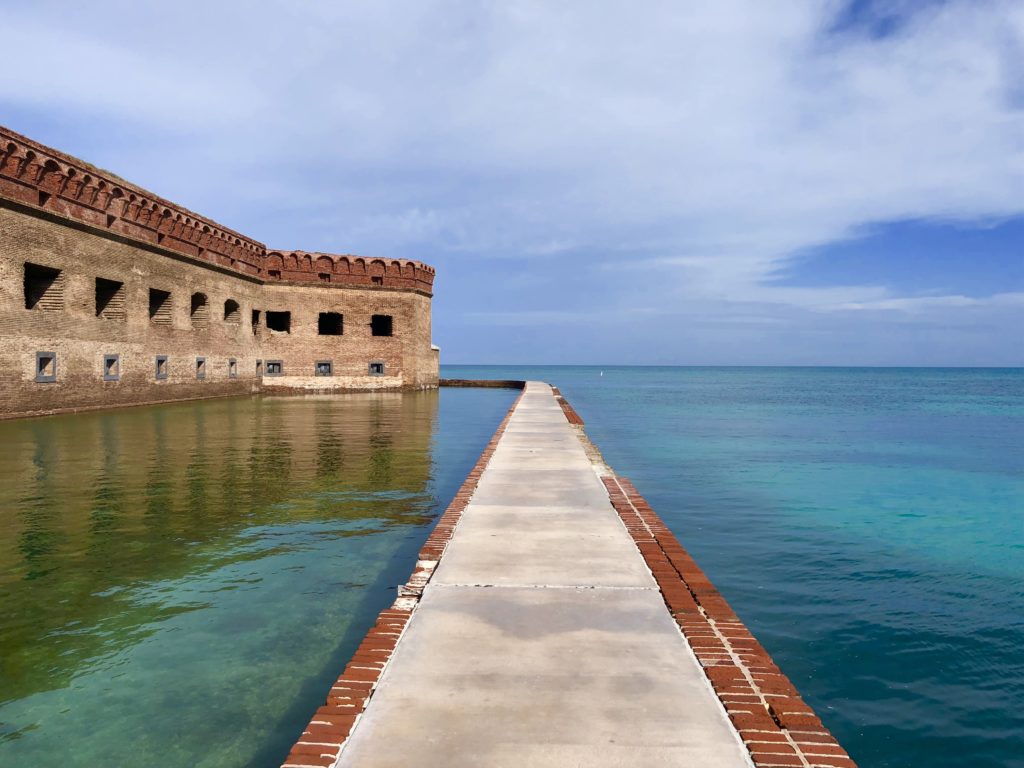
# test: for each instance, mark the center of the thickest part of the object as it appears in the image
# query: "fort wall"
(111, 296)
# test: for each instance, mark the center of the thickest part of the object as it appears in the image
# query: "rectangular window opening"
(259, 367)
(200, 367)
(255, 321)
(44, 288)
(161, 366)
(279, 322)
(331, 324)
(46, 366)
(323, 367)
(110, 303)
(325, 277)
(377, 280)
(159, 307)
(381, 325)
(275, 367)
(274, 273)
(111, 367)
(377, 369)
(232, 368)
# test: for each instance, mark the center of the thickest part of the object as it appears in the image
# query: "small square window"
(232, 368)
(274, 274)
(200, 367)
(323, 367)
(111, 367)
(46, 366)
(275, 368)
(377, 280)
(161, 366)
(376, 369)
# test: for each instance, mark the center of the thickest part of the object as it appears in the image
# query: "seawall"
(553, 619)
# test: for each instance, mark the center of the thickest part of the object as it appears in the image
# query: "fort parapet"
(110, 295)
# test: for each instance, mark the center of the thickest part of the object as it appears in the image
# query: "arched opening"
(232, 312)
(200, 310)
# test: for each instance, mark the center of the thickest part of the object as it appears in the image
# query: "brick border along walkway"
(776, 726)
(322, 740)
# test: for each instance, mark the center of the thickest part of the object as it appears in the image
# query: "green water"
(180, 584)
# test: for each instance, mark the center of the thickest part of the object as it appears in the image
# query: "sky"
(596, 182)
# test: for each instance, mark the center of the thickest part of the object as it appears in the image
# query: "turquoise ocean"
(866, 524)
(180, 584)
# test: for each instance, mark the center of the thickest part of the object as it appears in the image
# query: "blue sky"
(596, 182)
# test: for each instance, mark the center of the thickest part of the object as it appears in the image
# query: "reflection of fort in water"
(94, 502)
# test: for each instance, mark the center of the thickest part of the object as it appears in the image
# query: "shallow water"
(180, 584)
(867, 525)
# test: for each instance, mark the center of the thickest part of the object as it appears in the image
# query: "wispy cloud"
(704, 145)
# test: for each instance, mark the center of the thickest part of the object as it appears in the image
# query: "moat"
(180, 583)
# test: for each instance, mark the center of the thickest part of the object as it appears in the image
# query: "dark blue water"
(866, 524)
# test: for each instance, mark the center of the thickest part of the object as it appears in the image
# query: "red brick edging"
(321, 741)
(568, 410)
(776, 726)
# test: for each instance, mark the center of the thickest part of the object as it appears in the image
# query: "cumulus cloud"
(706, 145)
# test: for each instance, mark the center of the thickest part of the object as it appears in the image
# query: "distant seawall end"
(485, 383)
(552, 619)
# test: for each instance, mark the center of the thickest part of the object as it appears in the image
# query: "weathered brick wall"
(61, 214)
(405, 354)
(80, 339)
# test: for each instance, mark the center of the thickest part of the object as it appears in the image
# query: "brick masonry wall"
(406, 354)
(69, 326)
(50, 180)
(59, 212)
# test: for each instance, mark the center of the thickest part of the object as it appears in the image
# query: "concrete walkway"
(542, 638)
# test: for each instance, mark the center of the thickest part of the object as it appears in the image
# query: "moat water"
(179, 585)
(867, 525)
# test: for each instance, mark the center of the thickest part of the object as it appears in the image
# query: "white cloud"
(706, 143)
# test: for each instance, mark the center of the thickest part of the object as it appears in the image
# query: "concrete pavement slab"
(538, 677)
(542, 638)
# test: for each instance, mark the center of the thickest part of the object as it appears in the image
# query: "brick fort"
(112, 296)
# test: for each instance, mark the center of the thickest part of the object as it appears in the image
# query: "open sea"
(180, 584)
(867, 525)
